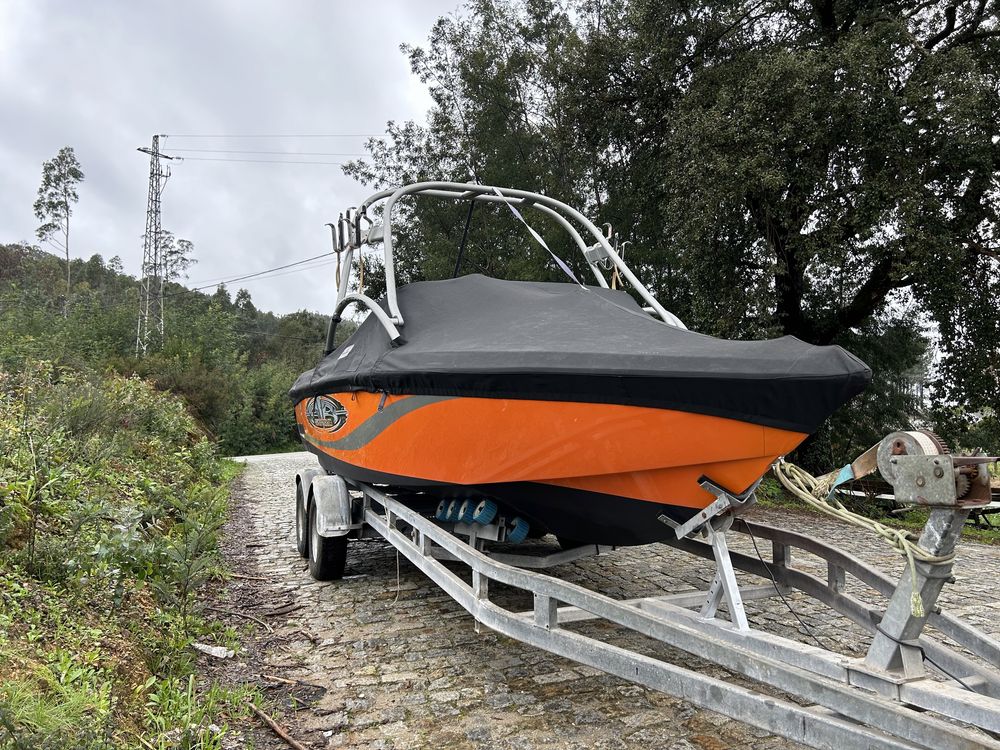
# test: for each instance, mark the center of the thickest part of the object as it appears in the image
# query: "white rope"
(820, 493)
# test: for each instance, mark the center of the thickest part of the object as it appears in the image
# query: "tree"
(54, 204)
(244, 302)
(826, 169)
(177, 256)
(497, 77)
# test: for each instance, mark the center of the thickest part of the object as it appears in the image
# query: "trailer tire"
(303, 484)
(327, 554)
(301, 520)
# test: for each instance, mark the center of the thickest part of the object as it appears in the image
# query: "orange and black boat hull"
(569, 406)
(599, 473)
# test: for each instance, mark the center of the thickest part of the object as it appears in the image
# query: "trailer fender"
(333, 505)
(304, 478)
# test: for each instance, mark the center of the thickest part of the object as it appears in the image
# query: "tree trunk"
(68, 286)
(789, 273)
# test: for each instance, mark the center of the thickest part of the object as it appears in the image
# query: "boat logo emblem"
(325, 413)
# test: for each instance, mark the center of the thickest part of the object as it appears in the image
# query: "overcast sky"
(104, 76)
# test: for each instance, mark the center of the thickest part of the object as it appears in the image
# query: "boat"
(564, 408)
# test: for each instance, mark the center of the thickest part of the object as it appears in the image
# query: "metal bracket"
(374, 235)
(714, 521)
(597, 255)
(724, 585)
(725, 502)
(490, 532)
(894, 649)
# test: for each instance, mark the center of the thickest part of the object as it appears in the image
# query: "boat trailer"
(909, 690)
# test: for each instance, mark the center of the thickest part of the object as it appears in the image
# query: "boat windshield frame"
(348, 237)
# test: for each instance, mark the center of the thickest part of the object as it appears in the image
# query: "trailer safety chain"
(820, 493)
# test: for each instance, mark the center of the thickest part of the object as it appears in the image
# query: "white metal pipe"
(378, 312)
(467, 190)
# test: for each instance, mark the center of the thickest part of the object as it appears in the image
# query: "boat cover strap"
(538, 238)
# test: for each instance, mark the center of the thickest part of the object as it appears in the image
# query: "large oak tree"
(824, 169)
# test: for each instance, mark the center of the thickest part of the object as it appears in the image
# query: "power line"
(284, 153)
(249, 276)
(265, 277)
(317, 340)
(56, 244)
(223, 279)
(270, 276)
(260, 161)
(278, 135)
(226, 282)
(278, 268)
(59, 255)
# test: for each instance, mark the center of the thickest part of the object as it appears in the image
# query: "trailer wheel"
(327, 554)
(303, 483)
(301, 520)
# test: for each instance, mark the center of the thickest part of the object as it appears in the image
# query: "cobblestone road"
(401, 666)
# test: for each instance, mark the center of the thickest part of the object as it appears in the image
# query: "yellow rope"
(361, 272)
(816, 492)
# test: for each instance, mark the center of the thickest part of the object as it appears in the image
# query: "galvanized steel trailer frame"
(852, 703)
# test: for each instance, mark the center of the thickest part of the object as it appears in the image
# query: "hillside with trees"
(230, 362)
(113, 493)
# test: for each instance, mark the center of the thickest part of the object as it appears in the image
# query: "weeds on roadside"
(111, 501)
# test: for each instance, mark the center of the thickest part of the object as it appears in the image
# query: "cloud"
(104, 76)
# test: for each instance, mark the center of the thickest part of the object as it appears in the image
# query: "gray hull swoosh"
(368, 430)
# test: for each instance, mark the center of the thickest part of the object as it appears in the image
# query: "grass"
(41, 704)
(180, 714)
(64, 670)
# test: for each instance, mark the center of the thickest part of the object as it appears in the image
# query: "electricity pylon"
(150, 329)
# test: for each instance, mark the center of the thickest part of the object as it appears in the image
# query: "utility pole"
(150, 325)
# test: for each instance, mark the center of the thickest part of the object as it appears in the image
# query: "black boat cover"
(479, 336)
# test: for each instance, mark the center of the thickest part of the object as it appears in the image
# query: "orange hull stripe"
(675, 485)
(633, 451)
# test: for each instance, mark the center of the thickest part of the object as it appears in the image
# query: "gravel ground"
(376, 661)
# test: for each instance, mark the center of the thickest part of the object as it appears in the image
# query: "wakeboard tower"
(555, 407)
